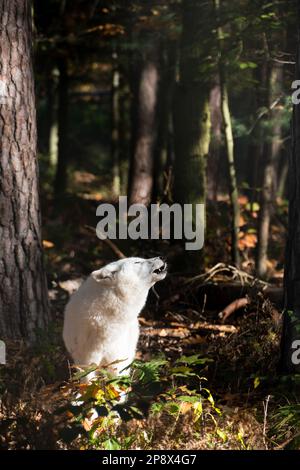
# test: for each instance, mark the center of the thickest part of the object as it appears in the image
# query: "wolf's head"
(133, 274)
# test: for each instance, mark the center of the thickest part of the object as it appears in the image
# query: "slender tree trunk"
(52, 132)
(213, 170)
(23, 288)
(124, 135)
(50, 110)
(268, 192)
(257, 147)
(115, 126)
(291, 326)
(145, 127)
(233, 189)
(53, 144)
(60, 183)
(281, 191)
(229, 144)
(164, 116)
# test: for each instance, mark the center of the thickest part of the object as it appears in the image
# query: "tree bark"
(145, 126)
(23, 288)
(291, 324)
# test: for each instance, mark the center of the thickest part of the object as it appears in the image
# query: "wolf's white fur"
(101, 318)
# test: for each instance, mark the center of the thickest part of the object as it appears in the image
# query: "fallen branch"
(182, 330)
(222, 268)
(233, 307)
(109, 243)
(210, 326)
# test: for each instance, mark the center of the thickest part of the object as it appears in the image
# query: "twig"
(285, 443)
(109, 243)
(157, 297)
(183, 331)
(232, 307)
(204, 304)
(265, 405)
(243, 276)
(263, 113)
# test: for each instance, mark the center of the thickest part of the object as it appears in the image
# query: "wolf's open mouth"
(160, 270)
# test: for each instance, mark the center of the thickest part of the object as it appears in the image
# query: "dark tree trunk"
(191, 109)
(144, 126)
(291, 325)
(192, 115)
(60, 183)
(164, 116)
(268, 191)
(23, 288)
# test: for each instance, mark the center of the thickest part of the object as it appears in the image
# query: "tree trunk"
(115, 127)
(233, 189)
(291, 324)
(191, 112)
(268, 192)
(124, 134)
(213, 169)
(60, 183)
(192, 115)
(23, 288)
(229, 145)
(145, 126)
(164, 116)
(257, 147)
(52, 134)
(282, 181)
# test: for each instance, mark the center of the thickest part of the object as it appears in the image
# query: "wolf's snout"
(160, 266)
(160, 270)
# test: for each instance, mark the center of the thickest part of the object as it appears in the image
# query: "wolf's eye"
(137, 262)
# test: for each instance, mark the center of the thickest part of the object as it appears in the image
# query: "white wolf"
(101, 319)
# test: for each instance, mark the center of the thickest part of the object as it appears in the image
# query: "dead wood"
(233, 307)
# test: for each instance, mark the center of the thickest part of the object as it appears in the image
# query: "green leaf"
(111, 444)
(247, 65)
(193, 360)
(188, 399)
(256, 382)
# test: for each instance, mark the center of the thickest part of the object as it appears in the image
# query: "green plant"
(147, 389)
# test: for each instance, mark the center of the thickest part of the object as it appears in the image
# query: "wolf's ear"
(103, 274)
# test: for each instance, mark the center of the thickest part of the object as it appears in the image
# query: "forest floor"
(253, 407)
